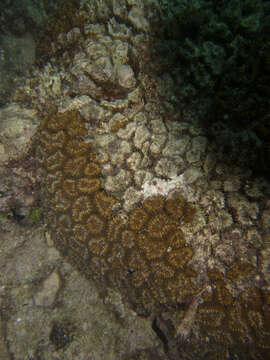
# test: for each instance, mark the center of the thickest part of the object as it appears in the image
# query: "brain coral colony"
(146, 254)
(137, 199)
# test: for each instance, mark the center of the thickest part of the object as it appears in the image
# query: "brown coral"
(152, 246)
(144, 254)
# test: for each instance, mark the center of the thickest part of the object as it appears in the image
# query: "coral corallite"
(145, 254)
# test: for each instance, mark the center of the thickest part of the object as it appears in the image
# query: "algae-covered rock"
(17, 126)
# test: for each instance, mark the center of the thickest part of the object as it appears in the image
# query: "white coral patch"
(162, 187)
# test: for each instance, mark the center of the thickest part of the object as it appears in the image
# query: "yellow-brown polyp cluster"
(144, 255)
(239, 323)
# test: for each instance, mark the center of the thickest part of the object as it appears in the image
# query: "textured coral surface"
(144, 253)
(138, 196)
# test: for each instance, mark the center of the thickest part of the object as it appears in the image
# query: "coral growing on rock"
(144, 253)
(153, 247)
(138, 199)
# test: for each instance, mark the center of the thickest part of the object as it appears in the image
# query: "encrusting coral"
(144, 253)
